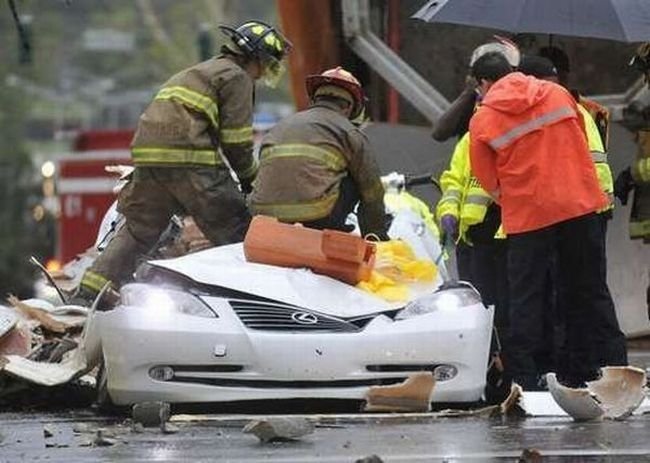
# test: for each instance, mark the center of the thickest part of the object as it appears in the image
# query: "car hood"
(226, 266)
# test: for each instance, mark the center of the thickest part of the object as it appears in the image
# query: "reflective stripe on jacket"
(600, 115)
(462, 195)
(302, 162)
(528, 147)
(199, 112)
(641, 171)
(599, 156)
(640, 212)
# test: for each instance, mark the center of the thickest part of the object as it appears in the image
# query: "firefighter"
(315, 165)
(549, 205)
(637, 176)
(455, 120)
(598, 112)
(199, 114)
(471, 218)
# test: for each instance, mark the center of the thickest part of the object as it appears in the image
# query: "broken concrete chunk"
(151, 414)
(56, 445)
(8, 321)
(618, 392)
(167, 428)
(45, 319)
(279, 429)
(512, 405)
(578, 403)
(101, 440)
(530, 456)
(47, 432)
(370, 459)
(412, 395)
(18, 341)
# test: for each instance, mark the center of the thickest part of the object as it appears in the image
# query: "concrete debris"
(616, 395)
(137, 427)
(83, 428)
(412, 395)
(512, 405)
(40, 315)
(47, 432)
(530, 456)
(579, 403)
(18, 341)
(48, 374)
(370, 459)
(151, 414)
(279, 429)
(101, 440)
(56, 445)
(8, 321)
(167, 428)
(620, 390)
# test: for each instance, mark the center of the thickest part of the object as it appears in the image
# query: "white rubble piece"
(8, 321)
(616, 395)
(47, 374)
(411, 395)
(279, 429)
(74, 364)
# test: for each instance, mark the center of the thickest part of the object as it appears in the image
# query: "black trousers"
(583, 297)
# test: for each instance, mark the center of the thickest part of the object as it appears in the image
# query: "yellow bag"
(395, 267)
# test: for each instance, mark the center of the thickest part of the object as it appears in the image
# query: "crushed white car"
(212, 327)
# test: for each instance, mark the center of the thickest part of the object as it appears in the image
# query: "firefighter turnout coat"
(303, 160)
(198, 112)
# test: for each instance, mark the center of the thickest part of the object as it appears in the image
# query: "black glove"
(623, 185)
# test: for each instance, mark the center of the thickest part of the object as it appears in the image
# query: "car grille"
(269, 384)
(263, 315)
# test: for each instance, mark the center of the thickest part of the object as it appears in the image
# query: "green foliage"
(17, 191)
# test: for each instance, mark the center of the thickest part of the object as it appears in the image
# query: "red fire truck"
(85, 189)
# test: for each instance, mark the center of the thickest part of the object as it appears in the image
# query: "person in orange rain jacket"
(529, 150)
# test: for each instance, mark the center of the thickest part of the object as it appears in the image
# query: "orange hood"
(516, 93)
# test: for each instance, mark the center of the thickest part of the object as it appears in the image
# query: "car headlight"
(448, 299)
(164, 300)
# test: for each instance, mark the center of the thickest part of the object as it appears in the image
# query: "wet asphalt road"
(449, 439)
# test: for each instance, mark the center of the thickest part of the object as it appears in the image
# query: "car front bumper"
(221, 360)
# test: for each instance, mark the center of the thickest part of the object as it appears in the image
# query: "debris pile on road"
(46, 345)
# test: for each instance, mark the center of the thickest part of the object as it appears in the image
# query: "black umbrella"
(622, 20)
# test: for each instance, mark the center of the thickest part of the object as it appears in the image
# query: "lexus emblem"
(304, 318)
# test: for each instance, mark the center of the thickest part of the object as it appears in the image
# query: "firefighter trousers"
(148, 202)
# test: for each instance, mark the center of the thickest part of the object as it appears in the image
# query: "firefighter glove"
(623, 185)
(449, 225)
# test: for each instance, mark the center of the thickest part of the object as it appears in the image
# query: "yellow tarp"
(395, 267)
